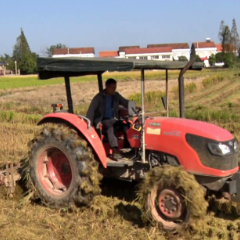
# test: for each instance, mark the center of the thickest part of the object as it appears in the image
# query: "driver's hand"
(138, 108)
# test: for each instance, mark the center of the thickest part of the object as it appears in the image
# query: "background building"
(2, 68)
(109, 54)
(204, 49)
(74, 52)
(156, 53)
(178, 49)
(122, 49)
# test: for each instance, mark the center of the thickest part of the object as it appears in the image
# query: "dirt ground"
(82, 93)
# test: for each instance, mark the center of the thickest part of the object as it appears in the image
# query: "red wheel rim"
(54, 171)
(167, 206)
(170, 203)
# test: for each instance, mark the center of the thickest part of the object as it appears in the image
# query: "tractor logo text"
(172, 133)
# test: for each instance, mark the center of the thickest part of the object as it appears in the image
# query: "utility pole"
(15, 67)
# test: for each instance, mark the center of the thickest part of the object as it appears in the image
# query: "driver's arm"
(123, 101)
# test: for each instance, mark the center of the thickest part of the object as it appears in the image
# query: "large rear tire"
(171, 198)
(62, 169)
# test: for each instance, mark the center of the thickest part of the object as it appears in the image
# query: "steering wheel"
(138, 110)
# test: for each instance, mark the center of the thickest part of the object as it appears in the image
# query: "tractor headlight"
(235, 146)
(219, 149)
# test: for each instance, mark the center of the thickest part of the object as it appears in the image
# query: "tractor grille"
(199, 144)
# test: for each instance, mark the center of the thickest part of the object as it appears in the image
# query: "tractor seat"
(102, 132)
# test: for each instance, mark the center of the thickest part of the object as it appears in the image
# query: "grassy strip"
(10, 82)
(13, 117)
(207, 82)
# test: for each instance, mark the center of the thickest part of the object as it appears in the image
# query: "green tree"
(197, 56)
(182, 58)
(26, 60)
(229, 59)
(212, 59)
(225, 37)
(219, 57)
(229, 39)
(21, 48)
(30, 64)
(49, 51)
(235, 36)
(23, 55)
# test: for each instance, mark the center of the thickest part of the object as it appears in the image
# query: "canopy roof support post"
(181, 96)
(143, 115)
(167, 92)
(69, 95)
(100, 82)
(181, 86)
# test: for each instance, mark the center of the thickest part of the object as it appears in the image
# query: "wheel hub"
(65, 169)
(170, 203)
(54, 171)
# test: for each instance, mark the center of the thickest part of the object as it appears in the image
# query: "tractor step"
(120, 163)
(125, 150)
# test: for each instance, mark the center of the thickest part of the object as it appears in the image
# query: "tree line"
(230, 42)
(26, 59)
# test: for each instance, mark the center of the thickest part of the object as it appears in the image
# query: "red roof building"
(204, 45)
(204, 49)
(74, 52)
(122, 48)
(219, 47)
(108, 54)
(178, 49)
(172, 45)
(148, 50)
(156, 53)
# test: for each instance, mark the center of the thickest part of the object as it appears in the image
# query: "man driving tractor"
(104, 109)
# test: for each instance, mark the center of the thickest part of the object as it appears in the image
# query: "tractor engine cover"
(200, 147)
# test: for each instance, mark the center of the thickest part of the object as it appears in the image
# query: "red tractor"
(179, 161)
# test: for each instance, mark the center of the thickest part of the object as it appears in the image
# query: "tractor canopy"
(70, 67)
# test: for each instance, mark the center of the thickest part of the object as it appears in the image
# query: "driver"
(104, 109)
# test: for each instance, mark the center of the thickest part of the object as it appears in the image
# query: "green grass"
(14, 117)
(153, 97)
(207, 82)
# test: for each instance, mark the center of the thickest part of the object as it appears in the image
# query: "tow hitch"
(9, 176)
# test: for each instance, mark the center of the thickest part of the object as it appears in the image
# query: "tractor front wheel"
(171, 197)
(62, 168)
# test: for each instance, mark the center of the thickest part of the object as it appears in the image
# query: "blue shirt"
(108, 108)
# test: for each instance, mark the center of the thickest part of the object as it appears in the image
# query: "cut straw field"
(211, 96)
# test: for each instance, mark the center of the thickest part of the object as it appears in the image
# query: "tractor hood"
(180, 126)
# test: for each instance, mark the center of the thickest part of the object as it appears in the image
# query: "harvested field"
(115, 214)
(45, 96)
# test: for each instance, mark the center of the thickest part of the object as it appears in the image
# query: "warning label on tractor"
(155, 131)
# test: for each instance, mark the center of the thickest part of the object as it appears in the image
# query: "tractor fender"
(81, 126)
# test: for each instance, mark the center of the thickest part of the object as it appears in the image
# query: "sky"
(108, 24)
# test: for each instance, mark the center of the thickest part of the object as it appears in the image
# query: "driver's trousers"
(108, 126)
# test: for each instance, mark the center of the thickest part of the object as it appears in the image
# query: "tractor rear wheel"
(62, 169)
(171, 197)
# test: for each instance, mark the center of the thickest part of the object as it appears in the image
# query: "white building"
(204, 49)
(178, 49)
(121, 50)
(160, 53)
(74, 52)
